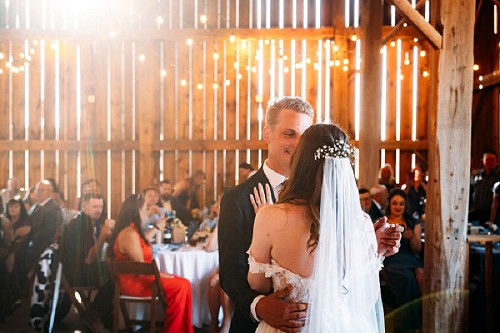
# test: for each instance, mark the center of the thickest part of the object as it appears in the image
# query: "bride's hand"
(287, 317)
(388, 237)
(260, 199)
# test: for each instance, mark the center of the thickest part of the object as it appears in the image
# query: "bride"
(317, 240)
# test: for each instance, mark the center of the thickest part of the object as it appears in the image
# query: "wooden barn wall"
(122, 96)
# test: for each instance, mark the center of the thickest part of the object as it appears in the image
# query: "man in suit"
(47, 219)
(286, 119)
(368, 206)
(173, 204)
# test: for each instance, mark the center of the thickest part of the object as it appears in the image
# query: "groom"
(286, 119)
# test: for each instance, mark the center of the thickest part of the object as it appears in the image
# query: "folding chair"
(120, 300)
(82, 305)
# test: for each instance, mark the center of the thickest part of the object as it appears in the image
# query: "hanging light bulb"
(425, 74)
(203, 18)
(183, 83)
(215, 86)
(142, 57)
(423, 53)
(163, 73)
(345, 68)
(189, 41)
(199, 86)
(232, 39)
(407, 59)
(476, 67)
(354, 37)
(216, 56)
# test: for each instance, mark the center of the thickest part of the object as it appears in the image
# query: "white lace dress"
(281, 278)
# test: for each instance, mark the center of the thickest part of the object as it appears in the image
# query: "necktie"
(278, 189)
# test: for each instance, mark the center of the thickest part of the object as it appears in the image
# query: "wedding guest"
(21, 223)
(416, 190)
(244, 171)
(173, 204)
(405, 268)
(130, 243)
(47, 219)
(12, 190)
(368, 206)
(186, 190)
(495, 205)
(82, 244)
(386, 177)
(481, 184)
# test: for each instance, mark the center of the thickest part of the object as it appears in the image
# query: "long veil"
(345, 294)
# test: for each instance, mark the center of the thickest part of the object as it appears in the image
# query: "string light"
(254, 69)
(159, 21)
(354, 37)
(240, 76)
(392, 44)
(216, 56)
(243, 44)
(401, 77)
(407, 59)
(2, 55)
(308, 60)
(163, 73)
(183, 83)
(142, 57)
(480, 86)
(286, 69)
(480, 78)
(1, 71)
(199, 86)
(335, 48)
(423, 53)
(215, 86)
(236, 64)
(203, 18)
(331, 63)
(346, 61)
(228, 83)
(345, 68)
(337, 62)
(112, 34)
(232, 39)
(189, 41)
(425, 74)
(316, 66)
(476, 67)
(415, 40)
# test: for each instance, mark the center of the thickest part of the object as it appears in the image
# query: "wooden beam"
(489, 80)
(371, 72)
(400, 25)
(172, 145)
(418, 21)
(450, 104)
(195, 34)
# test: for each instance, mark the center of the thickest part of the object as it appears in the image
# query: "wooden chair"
(120, 300)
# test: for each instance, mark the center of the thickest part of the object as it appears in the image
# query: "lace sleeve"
(256, 267)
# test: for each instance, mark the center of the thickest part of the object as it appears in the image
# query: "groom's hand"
(275, 311)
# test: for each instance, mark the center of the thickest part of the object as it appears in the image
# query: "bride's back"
(288, 229)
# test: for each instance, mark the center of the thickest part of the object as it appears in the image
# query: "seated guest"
(56, 194)
(12, 190)
(386, 177)
(368, 205)
(81, 245)
(29, 200)
(481, 184)
(173, 204)
(405, 268)
(155, 219)
(379, 195)
(46, 217)
(186, 190)
(217, 296)
(129, 243)
(416, 189)
(90, 186)
(212, 219)
(244, 171)
(21, 222)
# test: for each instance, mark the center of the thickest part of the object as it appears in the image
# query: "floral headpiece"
(340, 149)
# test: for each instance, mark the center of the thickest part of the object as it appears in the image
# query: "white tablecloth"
(196, 265)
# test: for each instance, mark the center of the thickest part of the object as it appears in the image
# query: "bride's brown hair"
(306, 177)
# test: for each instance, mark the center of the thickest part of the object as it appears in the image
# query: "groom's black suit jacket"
(235, 236)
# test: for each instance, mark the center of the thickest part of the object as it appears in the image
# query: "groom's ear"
(267, 134)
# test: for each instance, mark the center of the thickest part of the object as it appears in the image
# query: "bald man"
(47, 218)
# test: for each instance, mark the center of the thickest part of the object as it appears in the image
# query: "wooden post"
(371, 71)
(449, 159)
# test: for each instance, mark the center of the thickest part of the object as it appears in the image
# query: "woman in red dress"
(129, 243)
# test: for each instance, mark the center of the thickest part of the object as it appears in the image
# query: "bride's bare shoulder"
(277, 215)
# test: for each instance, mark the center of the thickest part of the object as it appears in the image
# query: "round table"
(196, 265)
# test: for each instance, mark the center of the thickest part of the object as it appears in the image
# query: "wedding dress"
(344, 291)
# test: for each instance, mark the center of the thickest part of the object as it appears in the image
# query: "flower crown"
(340, 149)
